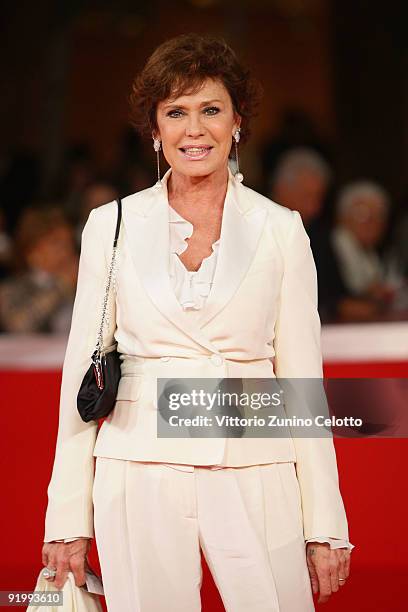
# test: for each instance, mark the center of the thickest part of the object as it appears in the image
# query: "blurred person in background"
(362, 210)
(296, 130)
(39, 297)
(300, 182)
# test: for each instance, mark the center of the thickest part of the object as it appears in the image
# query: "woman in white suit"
(213, 280)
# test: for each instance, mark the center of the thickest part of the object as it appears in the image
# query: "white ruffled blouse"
(191, 288)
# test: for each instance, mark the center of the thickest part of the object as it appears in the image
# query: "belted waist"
(133, 365)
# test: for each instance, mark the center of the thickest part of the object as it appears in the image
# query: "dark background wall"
(67, 69)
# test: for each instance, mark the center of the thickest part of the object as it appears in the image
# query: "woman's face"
(196, 129)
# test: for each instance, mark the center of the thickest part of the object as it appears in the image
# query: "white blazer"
(260, 320)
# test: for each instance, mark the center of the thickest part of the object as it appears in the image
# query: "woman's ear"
(237, 122)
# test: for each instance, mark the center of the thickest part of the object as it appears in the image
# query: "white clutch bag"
(75, 599)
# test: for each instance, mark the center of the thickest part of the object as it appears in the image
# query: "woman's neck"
(197, 192)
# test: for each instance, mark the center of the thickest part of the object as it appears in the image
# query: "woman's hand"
(67, 557)
(328, 568)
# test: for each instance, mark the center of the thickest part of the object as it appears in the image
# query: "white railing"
(340, 343)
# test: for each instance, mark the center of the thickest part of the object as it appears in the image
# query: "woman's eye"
(212, 108)
(173, 113)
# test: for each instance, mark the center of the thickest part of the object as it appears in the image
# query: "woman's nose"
(194, 126)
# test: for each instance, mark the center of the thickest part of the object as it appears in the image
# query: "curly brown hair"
(179, 66)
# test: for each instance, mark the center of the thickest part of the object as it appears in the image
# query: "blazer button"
(165, 358)
(216, 360)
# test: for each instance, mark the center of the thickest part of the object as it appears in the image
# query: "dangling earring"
(238, 175)
(156, 147)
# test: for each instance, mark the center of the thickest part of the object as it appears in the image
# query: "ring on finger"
(49, 572)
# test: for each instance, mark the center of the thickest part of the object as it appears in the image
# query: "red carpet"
(372, 477)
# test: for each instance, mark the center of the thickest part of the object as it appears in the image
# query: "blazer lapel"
(146, 223)
(242, 225)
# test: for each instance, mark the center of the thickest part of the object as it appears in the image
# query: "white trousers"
(151, 520)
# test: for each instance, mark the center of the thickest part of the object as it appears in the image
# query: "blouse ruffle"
(191, 288)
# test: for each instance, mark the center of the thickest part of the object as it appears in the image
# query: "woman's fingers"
(44, 556)
(78, 561)
(323, 573)
(50, 560)
(62, 574)
(66, 557)
(334, 570)
(313, 575)
(53, 559)
(326, 568)
(78, 569)
(347, 563)
(342, 567)
(318, 564)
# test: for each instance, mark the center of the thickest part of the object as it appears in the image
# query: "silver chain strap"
(96, 355)
(99, 344)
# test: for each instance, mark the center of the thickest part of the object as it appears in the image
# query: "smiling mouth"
(196, 152)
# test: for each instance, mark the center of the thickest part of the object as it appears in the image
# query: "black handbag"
(97, 393)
